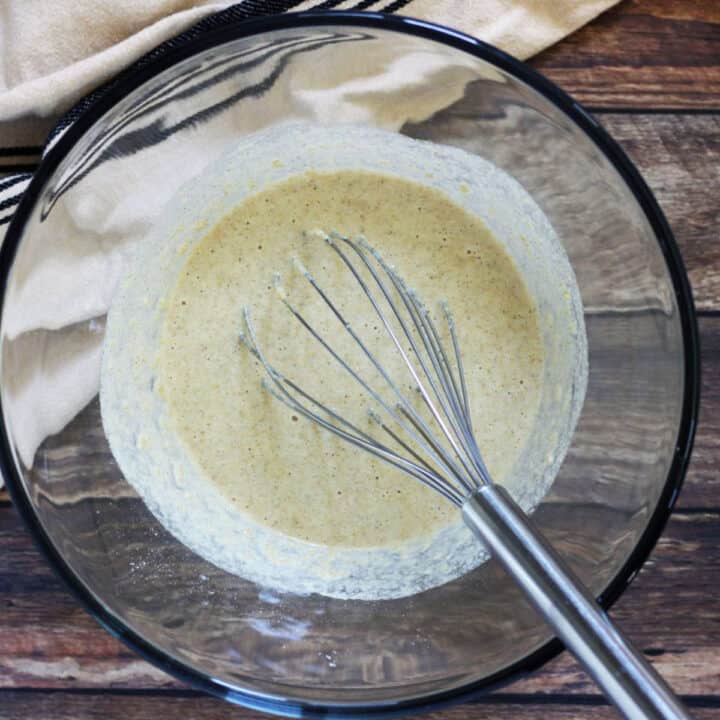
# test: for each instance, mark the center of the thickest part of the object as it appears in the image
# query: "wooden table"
(650, 71)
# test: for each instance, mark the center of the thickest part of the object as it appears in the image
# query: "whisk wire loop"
(464, 474)
(276, 385)
(454, 471)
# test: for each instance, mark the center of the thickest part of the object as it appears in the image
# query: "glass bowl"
(96, 193)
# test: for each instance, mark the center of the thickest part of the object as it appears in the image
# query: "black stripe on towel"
(15, 168)
(14, 180)
(364, 4)
(267, 7)
(328, 5)
(20, 151)
(395, 6)
(10, 202)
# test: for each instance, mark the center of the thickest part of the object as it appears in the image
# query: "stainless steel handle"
(621, 672)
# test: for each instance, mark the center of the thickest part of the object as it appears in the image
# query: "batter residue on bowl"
(269, 496)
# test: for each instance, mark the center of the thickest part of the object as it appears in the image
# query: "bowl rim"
(238, 29)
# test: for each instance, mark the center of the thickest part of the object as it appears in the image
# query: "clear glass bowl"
(97, 191)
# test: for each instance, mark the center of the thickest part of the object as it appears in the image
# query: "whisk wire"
(459, 414)
(433, 348)
(399, 287)
(469, 436)
(357, 437)
(438, 452)
(414, 308)
(397, 439)
(458, 360)
(466, 476)
(456, 469)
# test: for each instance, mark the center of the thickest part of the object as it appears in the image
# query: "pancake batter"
(282, 470)
(268, 496)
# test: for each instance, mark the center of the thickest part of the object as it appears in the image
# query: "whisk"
(432, 440)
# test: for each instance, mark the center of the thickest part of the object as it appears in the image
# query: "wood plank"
(47, 641)
(640, 54)
(68, 706)
(679, 156)
(702, 483)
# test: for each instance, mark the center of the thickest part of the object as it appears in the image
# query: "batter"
(265, 494)
(284, 471)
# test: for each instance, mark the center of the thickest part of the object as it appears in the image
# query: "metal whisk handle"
(626, 678)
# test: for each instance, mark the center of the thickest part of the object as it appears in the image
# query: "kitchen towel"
(50, 59)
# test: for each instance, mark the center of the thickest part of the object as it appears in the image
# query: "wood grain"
(702, 483)
(679, 157)
(67, 706)
(642, 54)
(47, 641)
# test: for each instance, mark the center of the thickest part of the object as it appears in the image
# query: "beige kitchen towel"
(54, 345)
(51, 54)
